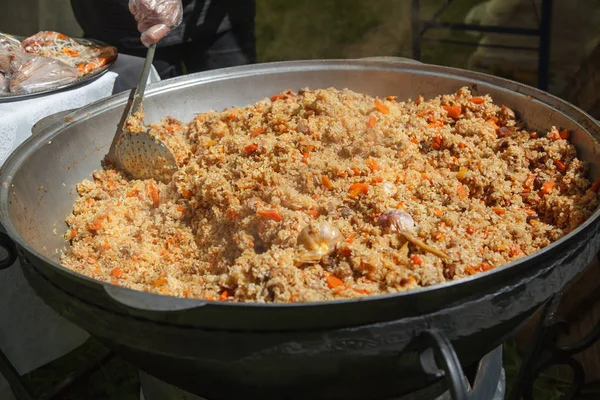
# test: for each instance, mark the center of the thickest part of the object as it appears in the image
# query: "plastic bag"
(11, 55)
(40, 73)
(86, 58)
(156, 18)
(3, 83)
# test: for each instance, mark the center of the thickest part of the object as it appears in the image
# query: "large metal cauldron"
(356, 349)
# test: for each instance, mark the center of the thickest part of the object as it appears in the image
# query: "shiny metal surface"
(319, 350)
(143, 157)
(139, 154)
(39, 178)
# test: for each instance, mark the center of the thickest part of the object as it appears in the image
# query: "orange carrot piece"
(160, 282)
(529, 180)
(172, 128)
(305, 158)
(257, 131)
(415, 259)
(251, 148)
(533, 135)
(470, 270)
(373, 164)
(461, 145)
(224, 295)
(595, 186)
(186, 193)
(437, 142)
(96, 225)
(564, 134)
(372, 121)
(279, 96)
(462, 192)
(92, 260)
(485, 267)
(334, 282)
(547, 187)
(70, 52)
(453, 111)
(477, 100)
(314, 213)
(326, 182)
(560, 165)
(437, 212)
(499, 211)
(153, 193)
(470, 230)
(434, 123)
(231, 214)
(116, 272)
(357, 189)
(381, 107)
(272, 215)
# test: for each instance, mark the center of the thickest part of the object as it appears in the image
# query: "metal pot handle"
(440, 351)
(11, 251)
(149, 301)
(49, 120)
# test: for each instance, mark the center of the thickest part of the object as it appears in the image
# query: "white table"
(31, 334)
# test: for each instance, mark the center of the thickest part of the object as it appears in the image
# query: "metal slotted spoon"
(139, 154)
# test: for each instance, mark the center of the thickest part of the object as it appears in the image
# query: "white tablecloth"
(31, 334)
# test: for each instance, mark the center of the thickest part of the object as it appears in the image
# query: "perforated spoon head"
(144, 157)
(134, 150)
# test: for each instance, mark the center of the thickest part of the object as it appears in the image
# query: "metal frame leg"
(544, 50)
(546, 352)
(544, 32)
(416, 29)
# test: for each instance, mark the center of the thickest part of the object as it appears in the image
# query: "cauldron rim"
(32, 144)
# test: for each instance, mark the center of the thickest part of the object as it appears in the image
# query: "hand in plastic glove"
(156, 18)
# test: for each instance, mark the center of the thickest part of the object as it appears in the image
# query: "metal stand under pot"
(489, 381)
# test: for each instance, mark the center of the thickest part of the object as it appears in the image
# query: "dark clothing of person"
(213, 34)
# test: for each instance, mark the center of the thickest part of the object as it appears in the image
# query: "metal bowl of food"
(369, 344)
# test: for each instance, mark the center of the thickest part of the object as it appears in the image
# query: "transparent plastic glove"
(11, 54)
(156, 18)
(40, 73)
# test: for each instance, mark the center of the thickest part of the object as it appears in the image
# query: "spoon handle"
(141, 88)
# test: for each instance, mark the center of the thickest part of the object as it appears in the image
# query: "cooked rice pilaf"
(292, 199)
